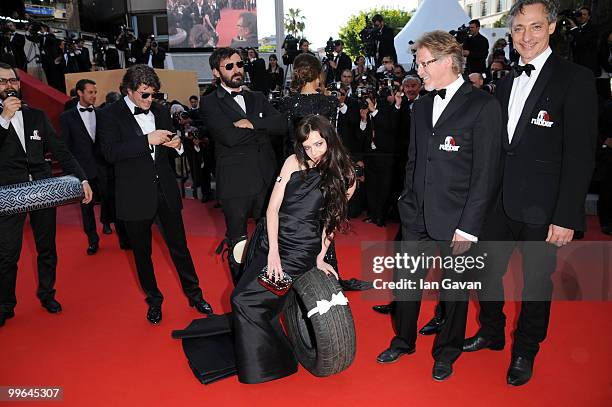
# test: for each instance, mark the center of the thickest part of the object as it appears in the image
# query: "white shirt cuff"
(180, 150)
(4, 123)
(343, 109)
(363, 125)
(469, 237)
(196, 148)
(374, 113)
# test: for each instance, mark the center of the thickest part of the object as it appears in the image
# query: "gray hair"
(412, 78)
(549, 5)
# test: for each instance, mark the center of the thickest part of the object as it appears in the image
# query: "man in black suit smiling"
(549, 109)
(136, 136)
(241, 124)
(450, 180)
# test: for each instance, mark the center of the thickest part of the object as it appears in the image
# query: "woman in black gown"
(308, 204)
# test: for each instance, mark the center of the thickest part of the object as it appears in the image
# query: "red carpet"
(103, 352)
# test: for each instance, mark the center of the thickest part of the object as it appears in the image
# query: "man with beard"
(240, 123)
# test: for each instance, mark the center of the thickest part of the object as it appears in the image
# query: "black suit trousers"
(173, 232)
(501, 235)
(11, 236)
(448, 344)
(378, 182)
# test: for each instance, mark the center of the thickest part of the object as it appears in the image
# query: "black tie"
(517, 70)
(138, 110)
(440, 92)
(86, 109)
(234, 94)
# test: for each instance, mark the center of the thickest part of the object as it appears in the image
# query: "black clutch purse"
(279, 288)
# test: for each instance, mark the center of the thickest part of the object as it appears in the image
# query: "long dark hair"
(335, 167)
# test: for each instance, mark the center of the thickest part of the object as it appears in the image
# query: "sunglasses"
(229, 66)
(145, 95)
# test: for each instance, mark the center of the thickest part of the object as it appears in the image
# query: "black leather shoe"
(432, 327)
(368, 220)
(355, 285)
(606, 230)
(154, 314)
(380, 223)
(391, 355)
(520, 371)
(106, 229)
(92, 248)
(52, 305)
(477, 342)
(4, 315)
(578, 235)
(383, 309)
(441, 370)
(202, 306)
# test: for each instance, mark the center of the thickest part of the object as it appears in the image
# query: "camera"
(329, 50)
(461, 33)
(291, 46)
(358, 171)
(160, 96)
(569, 14)
(334, 88)
(369, 36)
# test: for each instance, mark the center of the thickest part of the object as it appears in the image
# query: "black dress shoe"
(432, 327)
(202, 306)
(606, 230)
(477, 342)
(4, 315)
(380, 223)
(520, 371)
(391, 355)
(383, 309)
(52, 305)
(92, 248)
(441, 370)
(368, 220)
(106, 229)
(355, 285)
(154, 314)
(578, 235)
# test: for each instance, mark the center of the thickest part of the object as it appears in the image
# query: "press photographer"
(378, 40)
(130, 45)
(475, 49)
(340, 61)
(255, 67)
(152, 54)
(583, 36)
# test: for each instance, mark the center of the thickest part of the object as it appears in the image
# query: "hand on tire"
(326, 268)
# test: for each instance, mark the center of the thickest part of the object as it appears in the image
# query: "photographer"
(477, 80)
(6, 52)
(255, 67)
(276, 74)
(384, 37)
(196, 146)
(378, 126)
(475, 49)
(341, 61)
(82, 56)
(130, 45)
(152, 54)
(583, 37)
(17, 44)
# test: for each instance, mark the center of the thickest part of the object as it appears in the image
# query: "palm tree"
(294, 22)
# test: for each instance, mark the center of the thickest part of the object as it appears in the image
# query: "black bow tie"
(234, 94)
(86, 109)
(440, 92)
(517, 70)
(138, 110)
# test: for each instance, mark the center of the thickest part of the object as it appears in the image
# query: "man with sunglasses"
(25, 136)
(241, 123)
(136, 136)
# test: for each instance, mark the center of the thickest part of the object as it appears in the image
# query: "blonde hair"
(441, 44)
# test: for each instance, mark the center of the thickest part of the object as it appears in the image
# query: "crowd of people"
(457, 166)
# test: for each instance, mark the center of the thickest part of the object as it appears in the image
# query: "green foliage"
(349, 33)
(294, 22)
(502, 22)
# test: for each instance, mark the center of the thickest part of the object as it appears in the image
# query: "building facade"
(487, 11)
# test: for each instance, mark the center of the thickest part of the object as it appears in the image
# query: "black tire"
(324, 344)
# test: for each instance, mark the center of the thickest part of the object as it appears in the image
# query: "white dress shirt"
(17, 122)
(89, 120)
(521, 88)
(147, 125)
(239, 99)
(440, 104)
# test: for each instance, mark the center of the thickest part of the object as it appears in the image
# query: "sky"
(323, 17)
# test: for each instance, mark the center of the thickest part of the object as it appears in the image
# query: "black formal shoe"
(477, 342)
(52, 305)
(578, 235)
(92, 248)
(4, 315)
(383, 309)
(368, 220)
(392, 355)
(154, 314)
(125, 246)
(380, 223)
(441, 370)
(355, 285)
(202, 306)
(106, 229)
(432, 327)
(606, 230)
(520, 371)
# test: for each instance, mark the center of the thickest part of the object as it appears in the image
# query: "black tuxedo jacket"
(83, 148)
(111, 59)
(584, 47)
(386, 45)
(348, 129)
(17, 45)
(84, 60)
(343, 62)
(451, 169)
(137, 175)
(385, 129)
(246, 163)
(547, 168)
(16, 165)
